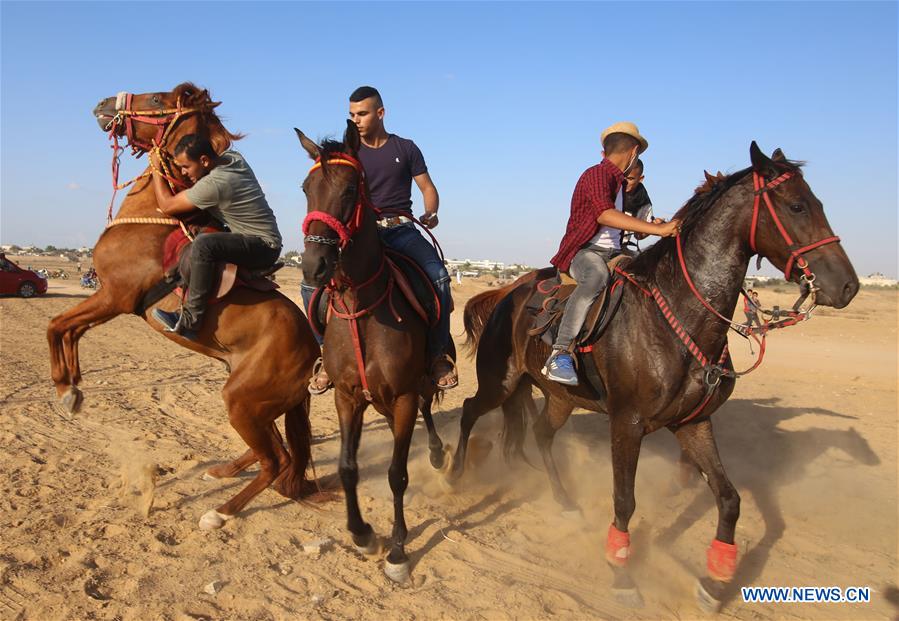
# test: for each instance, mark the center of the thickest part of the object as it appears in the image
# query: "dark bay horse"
(262, 337)
(375, 343)
(658, 372)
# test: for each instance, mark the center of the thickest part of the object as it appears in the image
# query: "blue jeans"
(407, 240)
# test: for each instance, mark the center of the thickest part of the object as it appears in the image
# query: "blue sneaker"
(559, 368)
(171, 322)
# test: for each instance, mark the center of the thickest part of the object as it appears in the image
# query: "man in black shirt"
(391, 164)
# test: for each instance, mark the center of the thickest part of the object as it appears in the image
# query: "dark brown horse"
(655, 376)
(374, 348)
(262, 337)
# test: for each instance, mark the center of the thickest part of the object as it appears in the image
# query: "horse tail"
(298, 430)
(479, 309)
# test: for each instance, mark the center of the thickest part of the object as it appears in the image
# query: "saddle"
(547, 305)
(176, 270)
(409, 278)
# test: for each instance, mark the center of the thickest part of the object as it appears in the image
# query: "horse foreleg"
(555, 413)
(349, 413)
(405, 410)
(698, 442)
(63, 333)
(435, 444)
(626, 439)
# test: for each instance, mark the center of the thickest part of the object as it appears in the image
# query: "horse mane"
(328, 149)
(694, 211)
(191, 95)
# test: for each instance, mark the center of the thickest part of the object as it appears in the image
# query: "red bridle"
(796, 252)
(344, 231)
(165, 119)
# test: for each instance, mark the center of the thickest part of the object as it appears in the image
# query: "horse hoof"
(706, 600)
(438, 458)
(213, 520)
(398, 572)
(628, 597)
(208, 477)
(71, 401)
(368, 546)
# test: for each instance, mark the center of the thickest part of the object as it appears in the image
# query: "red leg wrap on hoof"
(721, 560)
(617, 546)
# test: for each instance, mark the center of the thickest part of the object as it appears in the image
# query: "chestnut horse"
(663, 359)
(262, 337)
(374, 348)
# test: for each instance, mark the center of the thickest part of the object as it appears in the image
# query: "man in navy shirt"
(391, 164)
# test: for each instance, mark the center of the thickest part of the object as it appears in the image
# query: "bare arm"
(169, 204)
(618, 220)
(430, 197)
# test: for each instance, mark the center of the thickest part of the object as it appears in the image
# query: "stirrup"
(317, 370)
(455, 373)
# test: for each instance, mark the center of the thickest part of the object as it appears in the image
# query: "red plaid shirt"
(594, 193)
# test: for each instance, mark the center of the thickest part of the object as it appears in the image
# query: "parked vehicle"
(17, 281)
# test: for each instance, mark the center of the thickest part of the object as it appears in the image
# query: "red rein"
(714, 372)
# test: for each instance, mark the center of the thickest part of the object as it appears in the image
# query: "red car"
(18, 281)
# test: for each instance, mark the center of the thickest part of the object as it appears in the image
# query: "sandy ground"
(98, 512)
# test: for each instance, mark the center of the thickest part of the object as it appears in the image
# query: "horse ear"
(351, 138)
(708, 178)
(761, 163)
(311, 148)
(778, 155)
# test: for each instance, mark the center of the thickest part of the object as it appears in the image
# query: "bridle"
(345, 233)
(165, 120)
(713, 372)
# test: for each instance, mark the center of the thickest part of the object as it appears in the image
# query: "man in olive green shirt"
(225, 186)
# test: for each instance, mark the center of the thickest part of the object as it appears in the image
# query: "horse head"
(335, 202)
(789, 228)
(160, 118)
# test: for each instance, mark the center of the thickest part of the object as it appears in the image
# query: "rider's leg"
(591, 273)
(407, 240)
(212, 248)
(320, 382)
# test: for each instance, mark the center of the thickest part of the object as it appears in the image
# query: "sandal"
(444, 374)
(319, 383)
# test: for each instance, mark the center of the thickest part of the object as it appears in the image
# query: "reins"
(713, 372)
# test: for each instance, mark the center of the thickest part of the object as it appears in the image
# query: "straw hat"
(628, 128)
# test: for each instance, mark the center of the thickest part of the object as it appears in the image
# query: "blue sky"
(506, 101)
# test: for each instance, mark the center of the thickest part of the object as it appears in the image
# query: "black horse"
(663, 358)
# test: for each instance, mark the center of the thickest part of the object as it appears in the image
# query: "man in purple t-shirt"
(391, 164)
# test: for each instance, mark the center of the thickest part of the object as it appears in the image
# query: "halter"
(164, 119)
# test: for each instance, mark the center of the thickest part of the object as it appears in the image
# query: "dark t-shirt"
(389, 171)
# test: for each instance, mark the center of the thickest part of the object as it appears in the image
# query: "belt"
(389, 223)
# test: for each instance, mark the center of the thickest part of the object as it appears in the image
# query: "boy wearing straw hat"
(593, 236)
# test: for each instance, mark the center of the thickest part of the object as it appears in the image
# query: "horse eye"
(797, 208)
(156, 99)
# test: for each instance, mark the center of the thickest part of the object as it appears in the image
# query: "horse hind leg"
(435, 444)
(698, 443)
(254, 425)
(292, 483)
(554, 415)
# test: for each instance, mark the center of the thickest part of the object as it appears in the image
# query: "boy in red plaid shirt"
(593, 236)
